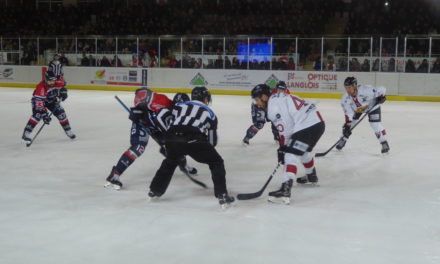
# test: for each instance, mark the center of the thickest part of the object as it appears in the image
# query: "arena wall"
(313, 84)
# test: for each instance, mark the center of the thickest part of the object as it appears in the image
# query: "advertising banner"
(116, 76)
(6, 73)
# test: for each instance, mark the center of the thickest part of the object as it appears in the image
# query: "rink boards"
(311, 84)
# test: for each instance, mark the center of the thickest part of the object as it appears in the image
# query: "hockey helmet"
(142, 98)
(201, 93)
(350, 81)
(50, 76)
(180, 97)
(259, 90)
(281, 85)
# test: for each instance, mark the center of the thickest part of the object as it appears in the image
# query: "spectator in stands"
(228, 64)
(342, 62)
(375, 65)
(355, 65)
(26, 59)
(92, 61)
(436, 66)
(290, 64)
(105, 62)
(410, 66)
(85, 61)
(64, 60)
(219, 62)
(365, 65)
(317, 64)
(423, 67)
(116, 62)
(330, 65)
(172, 62)
(392, 65)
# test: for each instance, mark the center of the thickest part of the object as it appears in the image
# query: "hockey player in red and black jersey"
(46, 97)
(259, 117)
(151, 117)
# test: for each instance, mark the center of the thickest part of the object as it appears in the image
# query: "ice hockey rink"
(369, 208)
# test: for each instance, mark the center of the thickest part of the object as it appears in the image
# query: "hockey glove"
(46, 118)
(346, 130)
(136, 114)
(357, 116)
(281, 152)
(63, 93)
(381, 99)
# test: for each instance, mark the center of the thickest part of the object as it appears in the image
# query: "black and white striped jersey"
(56, 67)
(195, 116)
(163, 119)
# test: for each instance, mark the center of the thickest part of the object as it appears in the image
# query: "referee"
(193, 132)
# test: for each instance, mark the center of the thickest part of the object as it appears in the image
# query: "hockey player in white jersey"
(300, 126)
(359, 99)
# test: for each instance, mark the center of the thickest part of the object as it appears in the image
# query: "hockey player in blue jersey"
(259, 117)
(151, 117)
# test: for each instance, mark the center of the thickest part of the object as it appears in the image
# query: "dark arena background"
(67, 146)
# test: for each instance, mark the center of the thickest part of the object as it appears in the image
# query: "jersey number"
(298, 102)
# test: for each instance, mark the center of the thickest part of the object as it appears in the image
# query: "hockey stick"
(149, 132)
(351, 129)
(38, 132)
(248, 196)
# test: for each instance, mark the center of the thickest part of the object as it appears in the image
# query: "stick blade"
(320, 154)
(248, 196)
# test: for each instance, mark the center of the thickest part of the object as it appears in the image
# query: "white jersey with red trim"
(290, 114)
(364, 100)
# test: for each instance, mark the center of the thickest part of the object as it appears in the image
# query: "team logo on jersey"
(280, 128)
(198, 80)
(272, 81)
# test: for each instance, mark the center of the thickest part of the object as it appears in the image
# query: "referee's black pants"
(198, 149)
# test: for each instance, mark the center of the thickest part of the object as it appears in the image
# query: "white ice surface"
(369, 208)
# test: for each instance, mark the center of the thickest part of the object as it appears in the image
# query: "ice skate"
(309, 179)
(341, 144)
(153, 196)
(27, 138)
(113, 180)
(385, 147)
(245, 141)
(70, 134)
(283, 194)
(225, 200)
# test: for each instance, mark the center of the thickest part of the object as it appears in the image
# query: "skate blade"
(152, 199)
(114, 186)
(226, 206)
(309, 184)
(280, 200)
